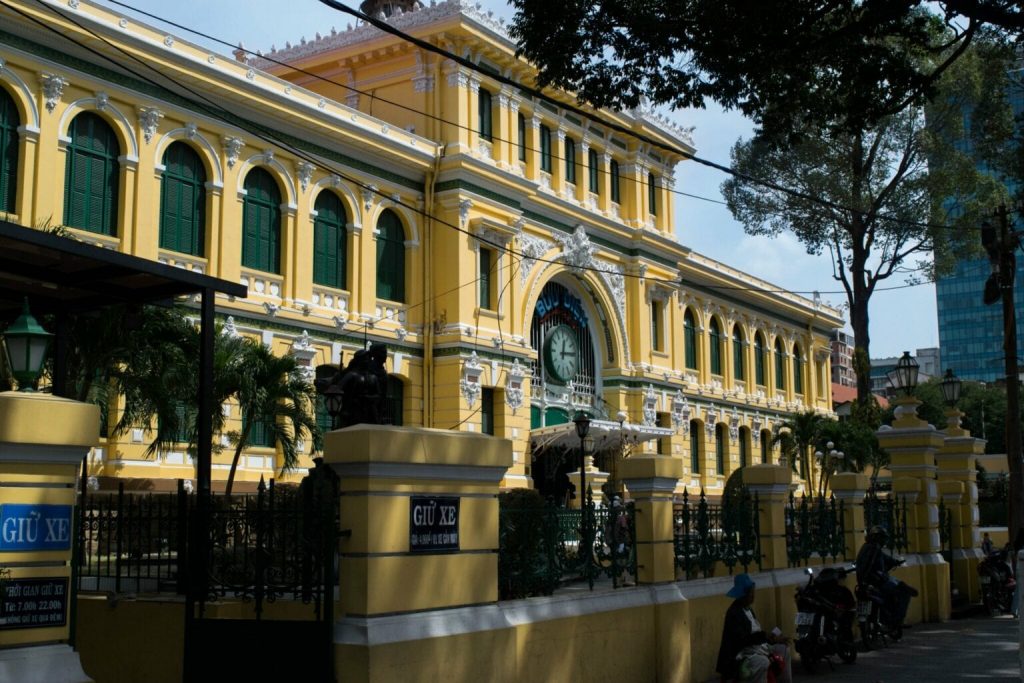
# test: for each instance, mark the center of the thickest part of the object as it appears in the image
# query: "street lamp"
(951, 388)
(333, 398)
(26, 343)
(904, 376)
(582, 423)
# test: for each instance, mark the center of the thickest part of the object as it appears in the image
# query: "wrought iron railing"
(814, 526)
(543, 546)
(890, 513)
(706, 534)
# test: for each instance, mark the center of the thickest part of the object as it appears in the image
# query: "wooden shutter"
(329, 238)
(92, 176)
(183, 201)
(261, 222)
(390, 257)
(9, 123)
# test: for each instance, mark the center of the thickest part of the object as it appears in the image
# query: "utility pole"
(1001, 246)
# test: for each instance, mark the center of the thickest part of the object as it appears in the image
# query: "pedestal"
(651, 481)
(850, 488)
(771, 483)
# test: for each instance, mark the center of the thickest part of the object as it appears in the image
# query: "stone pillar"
(43, 440)
(651, 481)
(850, 488)
(959, 489)
(771, 483)
(595, 480)
(912, 444)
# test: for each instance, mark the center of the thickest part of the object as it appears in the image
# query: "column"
(912, 444)
(959, 490)
(651, 481)
(771, 483)
(849, 489)
(595, 480)
(43, 440)
(558, 162)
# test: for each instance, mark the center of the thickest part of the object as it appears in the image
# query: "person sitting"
(987, 546)
(873, 565)
(747, 652)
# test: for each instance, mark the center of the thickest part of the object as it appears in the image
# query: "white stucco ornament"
(469, 385)
(514, 386)
(577, 251)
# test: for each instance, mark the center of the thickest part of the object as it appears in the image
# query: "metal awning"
(62, 275)
(606, 434)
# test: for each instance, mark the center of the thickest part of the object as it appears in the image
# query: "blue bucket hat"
(741, 585)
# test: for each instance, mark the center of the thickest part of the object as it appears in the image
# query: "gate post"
(43, 440)
(651, 481)
(771, 483)
(421, 510)
(850, 488)
(957, 483)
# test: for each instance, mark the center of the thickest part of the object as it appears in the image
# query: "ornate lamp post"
(26, 343)
(582, 422)
(951, 386)
(904, 376)
(332, 401)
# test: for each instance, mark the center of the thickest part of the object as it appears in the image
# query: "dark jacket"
(873, 564)
(736, 635)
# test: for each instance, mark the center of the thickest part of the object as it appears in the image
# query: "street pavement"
(962, 650)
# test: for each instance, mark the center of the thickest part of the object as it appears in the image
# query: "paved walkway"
(969, 649)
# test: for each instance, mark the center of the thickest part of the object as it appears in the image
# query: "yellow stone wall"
(414, 148)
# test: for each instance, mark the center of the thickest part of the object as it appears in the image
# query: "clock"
(562, 353)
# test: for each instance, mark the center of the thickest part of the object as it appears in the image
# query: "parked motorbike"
(826, 611)
(873, 617)
(997, 581)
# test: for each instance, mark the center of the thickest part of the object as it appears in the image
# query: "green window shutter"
(9, 122)
(738, 368)
(695, 446)
(329, 241)
(766, 446)
(720, 438)
(183, 201)
(261, 222)
(395, 410)
(613, 170)
(390, 257)
(758, 359)
(487, 411)
(690, 340)
(260, 433)
(485, 122)
(652, 194)
(716, 348)
(656, 325)
(744, 447)
(92, 176)
(593, 170)
(545, 149)
(780, 368)
(522, 138)
(485, 278)
(570, 160)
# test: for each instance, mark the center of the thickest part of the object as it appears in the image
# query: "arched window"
(744, 446)
(780, 366)
(721, 435)
(798, 370)
(766, 445)
(329, 241)
(716, 347)
(261, 222)
(390, 257)
(395, 407)
(92, 175)
(486, 126)
(690, 340)
(183, 201)
(759, 359)
(695, 430)
(738, 366)
(9, 122)
(570, 160)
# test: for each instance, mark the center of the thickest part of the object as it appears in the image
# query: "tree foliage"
(783, 63)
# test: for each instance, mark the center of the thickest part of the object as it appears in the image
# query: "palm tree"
(272, 391)
(799, 434)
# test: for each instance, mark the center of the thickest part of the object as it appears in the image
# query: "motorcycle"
(826, 611)
(997, 582)
(873, 616)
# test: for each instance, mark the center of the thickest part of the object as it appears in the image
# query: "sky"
(901, 320)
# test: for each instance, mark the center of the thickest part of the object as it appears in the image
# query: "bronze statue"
(363, 387)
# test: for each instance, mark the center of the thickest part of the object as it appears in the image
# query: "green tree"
(797, 437)
(272, 391)
(785, 63)
(859, 446)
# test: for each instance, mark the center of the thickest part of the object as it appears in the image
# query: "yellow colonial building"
(521, 262)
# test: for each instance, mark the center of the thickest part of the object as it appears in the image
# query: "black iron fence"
(542, 546)
(708, 534)
(890, 513)
(814, 527)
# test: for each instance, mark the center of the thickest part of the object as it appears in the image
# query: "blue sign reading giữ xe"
(34, 527)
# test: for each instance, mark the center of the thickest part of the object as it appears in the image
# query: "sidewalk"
(969, 649)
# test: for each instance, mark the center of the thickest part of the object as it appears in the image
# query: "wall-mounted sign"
(433, 523)
(34, 527)
(33, 603)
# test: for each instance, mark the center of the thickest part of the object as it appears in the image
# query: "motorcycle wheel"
(868, 635)
(896, 633)
(989, 601)
(809, 662)
(847, 651)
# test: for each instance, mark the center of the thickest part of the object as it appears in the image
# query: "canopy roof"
(606, 434)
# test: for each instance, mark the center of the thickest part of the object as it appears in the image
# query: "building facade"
(841, 355)
(521, 262)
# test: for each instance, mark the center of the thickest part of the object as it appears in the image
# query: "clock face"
(562, 353)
